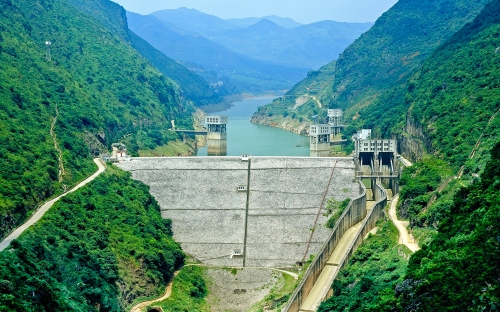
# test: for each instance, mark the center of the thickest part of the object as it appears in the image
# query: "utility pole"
(47, 54)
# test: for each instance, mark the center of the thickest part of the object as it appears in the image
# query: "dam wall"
(259, 212)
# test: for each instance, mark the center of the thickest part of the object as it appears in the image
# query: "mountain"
(272, 39)
(282, 21)
(453, 98)
(104, 245)
(196, 21)
(378, 63)
(249, 74)
(451, 127)
(57, 112)
(193, 20)
(194, 87)
(311, 46)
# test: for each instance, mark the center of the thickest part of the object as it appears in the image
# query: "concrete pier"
(319, 136)
(216, 135)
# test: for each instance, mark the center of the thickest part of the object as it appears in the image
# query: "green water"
(244, 137)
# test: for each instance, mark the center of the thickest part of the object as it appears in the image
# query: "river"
(244, 137)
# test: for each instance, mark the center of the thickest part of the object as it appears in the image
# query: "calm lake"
(244, 137)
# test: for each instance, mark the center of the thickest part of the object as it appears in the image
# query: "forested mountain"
(450, 196)
(305, 46)
(97, 249)
(369, 73)
(249, 75)
(309, 46)
(95, 89)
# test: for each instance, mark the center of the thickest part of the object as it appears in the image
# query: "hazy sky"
(303, 11)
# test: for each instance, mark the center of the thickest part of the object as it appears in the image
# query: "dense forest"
(93, 90)
(97, 249)
(459, 270)
(450, 196)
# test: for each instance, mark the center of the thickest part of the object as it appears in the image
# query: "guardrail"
(354, 213)
(369, 223)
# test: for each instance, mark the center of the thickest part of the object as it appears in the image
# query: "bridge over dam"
(247, 212)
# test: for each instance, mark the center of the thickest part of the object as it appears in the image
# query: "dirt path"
(38, 214)
(404, 237)
(61, 172)
(405, 161)
(168, 291)
(317, 101)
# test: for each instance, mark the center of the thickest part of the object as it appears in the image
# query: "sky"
(302, 11)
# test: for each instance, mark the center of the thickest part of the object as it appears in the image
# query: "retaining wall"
(311, 275)
(354, 213)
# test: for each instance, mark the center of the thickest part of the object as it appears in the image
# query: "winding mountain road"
(404, 237)
(45, 207)
(168, 291)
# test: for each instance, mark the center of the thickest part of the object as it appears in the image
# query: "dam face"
(256, 213)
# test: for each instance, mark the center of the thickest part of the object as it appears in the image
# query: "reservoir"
(244, 137)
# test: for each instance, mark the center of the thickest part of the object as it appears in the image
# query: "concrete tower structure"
(336, 120)
(319, 136)
(376, 158)
(216, 135)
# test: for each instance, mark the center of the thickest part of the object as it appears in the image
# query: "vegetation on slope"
(368, 282)
(97, 249)
(249, 75)
(101, 90)
(457, 91)
(371, 73)
(459, 269)
(188, 292)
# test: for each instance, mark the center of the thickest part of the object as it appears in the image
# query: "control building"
(375, 157)
(216, 135)
(319, 136)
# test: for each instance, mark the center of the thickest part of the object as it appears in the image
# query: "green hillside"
(385, 57)
(456, 92)
(95, 90)
(450, 196)
(194, 87)
(97, 249)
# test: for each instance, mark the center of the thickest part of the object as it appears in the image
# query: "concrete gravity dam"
(255, 212)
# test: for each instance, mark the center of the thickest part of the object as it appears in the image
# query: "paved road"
(45, 207)
(404, 237)
(324, 281)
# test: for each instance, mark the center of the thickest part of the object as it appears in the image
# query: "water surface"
(244, 137)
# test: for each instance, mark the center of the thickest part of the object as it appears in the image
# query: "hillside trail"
(61, 172)
(317, 101)
(168, 291)
(461, 171)
(38, 214)
(404, 237)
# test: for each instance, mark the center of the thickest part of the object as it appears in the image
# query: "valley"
(400, 212)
